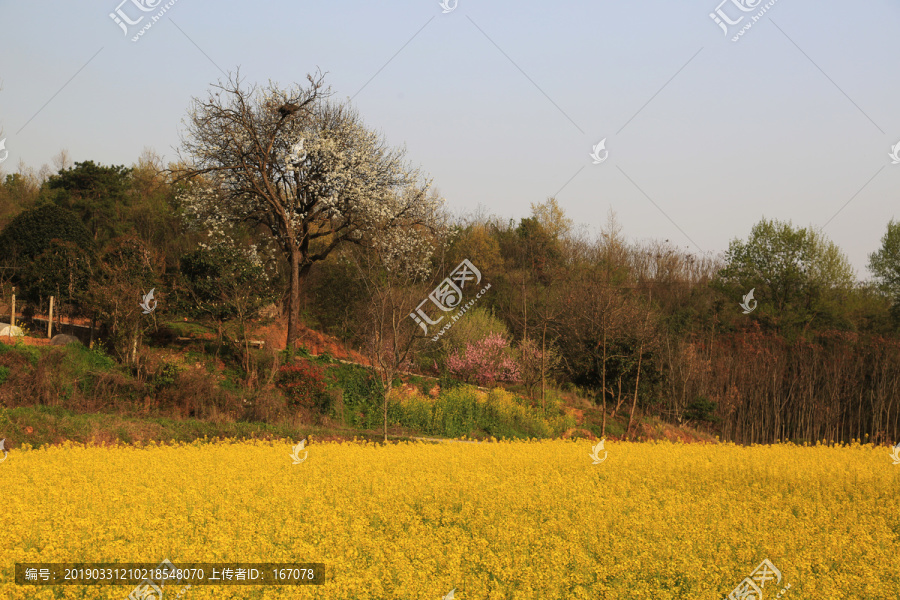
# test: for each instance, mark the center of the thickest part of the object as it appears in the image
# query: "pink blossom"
(486, 361)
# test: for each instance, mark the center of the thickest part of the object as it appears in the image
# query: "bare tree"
(306, 171)
(647, 336)
(395, 285)
(62, 161)
(129, 271)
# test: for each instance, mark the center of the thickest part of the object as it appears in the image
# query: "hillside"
(52, 394)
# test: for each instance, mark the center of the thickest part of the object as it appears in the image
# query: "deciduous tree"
(313, 177)
(885, 265)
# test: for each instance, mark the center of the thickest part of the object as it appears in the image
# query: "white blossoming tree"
(303, 169)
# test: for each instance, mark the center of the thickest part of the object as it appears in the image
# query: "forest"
(285, 207)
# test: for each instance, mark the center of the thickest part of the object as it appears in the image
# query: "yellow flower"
(529, 520)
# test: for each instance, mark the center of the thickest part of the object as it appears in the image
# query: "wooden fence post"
(12, 311)
(50, 320)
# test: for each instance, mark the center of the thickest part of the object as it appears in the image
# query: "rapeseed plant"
(520, 520)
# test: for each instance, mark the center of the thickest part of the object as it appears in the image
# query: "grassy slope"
(40, 425)
(54, 425)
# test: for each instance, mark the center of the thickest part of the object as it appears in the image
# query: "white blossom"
(315, 176)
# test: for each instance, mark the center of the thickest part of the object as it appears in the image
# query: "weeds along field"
(529, 520)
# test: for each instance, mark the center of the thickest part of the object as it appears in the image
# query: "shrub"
(411, 410)
(165, 376)
(286, 356)
(487, 361)
(304, 385)
(504, 417)
(264, 405)
(477, 324)
(447, 382)
(326, 358)
(361, 394)
(196, 394)
(225, 281)
(32, 231)
(701, 409)
(63, 269)
(455, 412)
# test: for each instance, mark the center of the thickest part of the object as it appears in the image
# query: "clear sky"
(502, 102)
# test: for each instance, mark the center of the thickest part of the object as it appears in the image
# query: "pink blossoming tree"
(486, 362)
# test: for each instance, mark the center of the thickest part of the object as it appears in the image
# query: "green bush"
(448, 382)
(701, 409)
(226, 282)
(362, 394)
(286, 356)
(4, 374)
(326, 358)
(32, 231)
(166, 376)
(64, 269)
(32, 353)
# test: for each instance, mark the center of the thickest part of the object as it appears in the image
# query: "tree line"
(286, 196)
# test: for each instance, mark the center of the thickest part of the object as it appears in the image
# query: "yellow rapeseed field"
(529, 520)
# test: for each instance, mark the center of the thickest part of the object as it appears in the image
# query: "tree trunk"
(293, 331)
(619, 399)
(603, 430)
(524, 310)
(220, 333)
(543, 353)
(133, 355)
(637, 381)
(603, 376)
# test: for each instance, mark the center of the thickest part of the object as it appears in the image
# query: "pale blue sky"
(501, 102)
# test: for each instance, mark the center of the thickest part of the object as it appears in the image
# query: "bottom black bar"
(154, 574)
